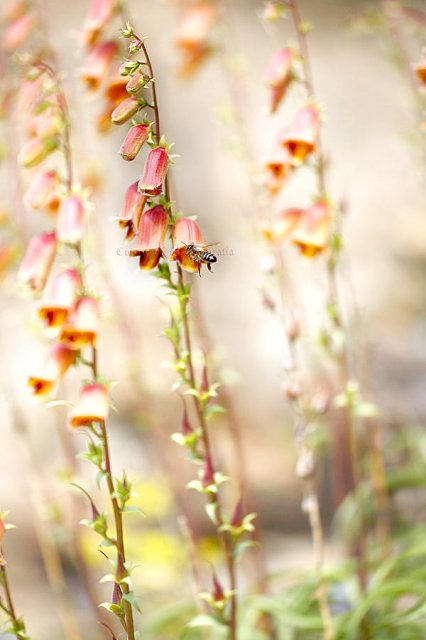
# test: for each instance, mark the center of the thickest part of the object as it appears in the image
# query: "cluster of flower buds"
(192, 34)
(98, 72)
(144, 213)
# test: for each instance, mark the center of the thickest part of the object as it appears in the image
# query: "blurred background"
(375, 167)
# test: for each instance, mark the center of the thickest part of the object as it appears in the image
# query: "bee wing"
(212, 244)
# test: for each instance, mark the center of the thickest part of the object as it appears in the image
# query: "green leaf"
(131, 599)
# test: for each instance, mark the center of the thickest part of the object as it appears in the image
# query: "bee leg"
(199, 269)
(209, 267)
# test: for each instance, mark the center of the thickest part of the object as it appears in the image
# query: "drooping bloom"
(125, 110)
(93, 406)
(278, 168)
(133, 142)
(98, 64)
(279, 75)
(18, 31)
(131, 211)
(157, 162)
(71, 225)
(313, 231)
(59, 298)
(49, 122)
(420, 68)
(192, 34)
(282, 225)
(99, 15)
(185, 232)
(37, 261)
(149, 246)
(41, 193)
(59, 358)
(301, 137)
(115, 90)
(81, 328)
(35, 151)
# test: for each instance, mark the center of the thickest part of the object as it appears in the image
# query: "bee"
(200, 254)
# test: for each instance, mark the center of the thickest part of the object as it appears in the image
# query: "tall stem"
(17, 625)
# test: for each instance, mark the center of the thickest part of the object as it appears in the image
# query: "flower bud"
(136, 83)
(71, 227)
(42, 191)
(125, 110)
(279, 75)
(37, 261)
(133, 141)
(17, 32)
(35, 151)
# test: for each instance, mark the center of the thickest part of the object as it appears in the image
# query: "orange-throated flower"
(301, 137)
(81, 328)
(192, 34)
(282, 225)
(99, 15)
(133, 141)
(420, 68)
(131, 211)
(279, 75)
(71, 225)
(149, 245)
(313, 230)
(278, 167)
(41, 193)
(97, 64)
(157, 162)
(37, 261)
(59, 358)
(93, 406)
(59, 298)
(185, 232)
(125, 110)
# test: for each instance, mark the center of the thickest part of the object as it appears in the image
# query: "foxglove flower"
(125, 110)
(81, 328)
(93, 406)
(71, 225)
(131, 211)
(136, 83)
(420, 68)
(278, 168)
(301, 137)
(37, 261)
(59, 298)
(149, 246)
(282, 225)
(99, 15)
(313, 231)
(157, 162)
(98, 64)
(58, 360)
(185, 232)
(279, 75)
(115, 90)
(192, 34)
(134, 140)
